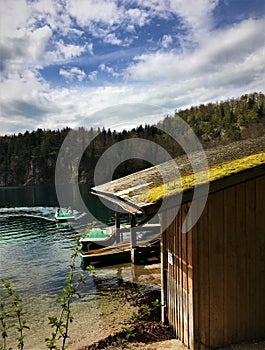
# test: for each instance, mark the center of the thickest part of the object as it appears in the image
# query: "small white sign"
(170, 258)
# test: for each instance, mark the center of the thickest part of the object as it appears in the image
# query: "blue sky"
(68, 62)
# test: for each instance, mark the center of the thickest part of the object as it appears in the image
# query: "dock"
(144, 253)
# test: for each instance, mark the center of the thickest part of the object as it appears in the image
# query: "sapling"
(60, 325)
(10, 309)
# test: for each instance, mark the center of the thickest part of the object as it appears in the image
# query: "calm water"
(34, 249)
(35, 253)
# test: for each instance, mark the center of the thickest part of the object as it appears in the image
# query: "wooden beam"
(133, 240)
(118, 225)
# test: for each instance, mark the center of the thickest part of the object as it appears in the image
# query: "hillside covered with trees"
(30, 158)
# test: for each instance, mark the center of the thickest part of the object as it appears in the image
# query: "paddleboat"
(64, 216)
(97, 238)
(99, 246)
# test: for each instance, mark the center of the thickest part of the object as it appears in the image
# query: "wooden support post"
(118, 225)
(133, 240)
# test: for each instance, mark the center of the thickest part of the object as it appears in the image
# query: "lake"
(35, 253)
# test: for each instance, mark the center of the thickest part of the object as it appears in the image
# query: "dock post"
(133, 240)
(118, 225)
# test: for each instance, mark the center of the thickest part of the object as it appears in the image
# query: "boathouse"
(213, 275)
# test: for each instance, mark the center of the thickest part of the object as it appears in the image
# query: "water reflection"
(35, 254)
(35, 251)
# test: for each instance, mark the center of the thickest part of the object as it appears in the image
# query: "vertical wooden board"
(230, 283)
(216, 268)
(180, 278)
(176, 269)
(260, 259)
(242, 273)
(170, 276)
(165, 261)
(174, 275)
(118, 225)
(167, 272)
(165, 240)
(163, 268)
(203, 285)
(190, 286)
(251, 259)
(184, 267)
(173, 271)
(196, 290)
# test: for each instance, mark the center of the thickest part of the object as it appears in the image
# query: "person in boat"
(58, 211)
(70, 210)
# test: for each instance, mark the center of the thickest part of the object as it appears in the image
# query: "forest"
(30, 158)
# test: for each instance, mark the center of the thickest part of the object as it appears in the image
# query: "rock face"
(38, 170)
(6, 179)
(41, 170)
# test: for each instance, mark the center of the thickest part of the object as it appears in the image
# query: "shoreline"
(117, 293)
(145, 327)
(143, 276)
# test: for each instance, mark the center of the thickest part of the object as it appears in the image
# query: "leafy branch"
(10, 309)
(60, 324)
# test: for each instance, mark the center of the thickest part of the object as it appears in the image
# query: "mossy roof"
(147, 187)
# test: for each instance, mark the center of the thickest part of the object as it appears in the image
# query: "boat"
(97, 238)
(99, 248)
(64, 216)
(148, 252)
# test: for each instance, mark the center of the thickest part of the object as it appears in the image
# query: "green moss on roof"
(212, 174)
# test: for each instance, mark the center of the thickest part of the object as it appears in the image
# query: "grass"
(212, 174)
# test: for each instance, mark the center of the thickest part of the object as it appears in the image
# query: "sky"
(98, 63)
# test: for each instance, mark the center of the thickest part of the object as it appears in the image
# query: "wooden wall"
(177, 284)
(215, 290)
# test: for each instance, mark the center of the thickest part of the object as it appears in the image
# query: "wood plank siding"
(213, 277)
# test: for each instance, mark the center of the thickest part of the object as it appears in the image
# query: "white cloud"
(68, 106)
(65, 53)
(236, 42)
(104, 68)
(86, 11)
(211, 65)
(90, 101)
(112, 39)
(38, 41)
(130, 28)
(93, 75)
(105, 17)
(196, 15)
(24, 101)
(25, 48)
(224, 48)
(13, 15)
(45, 11)
(68, 51)
(28, 35)
(167, 40)
(138, 16)
(72, 74)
